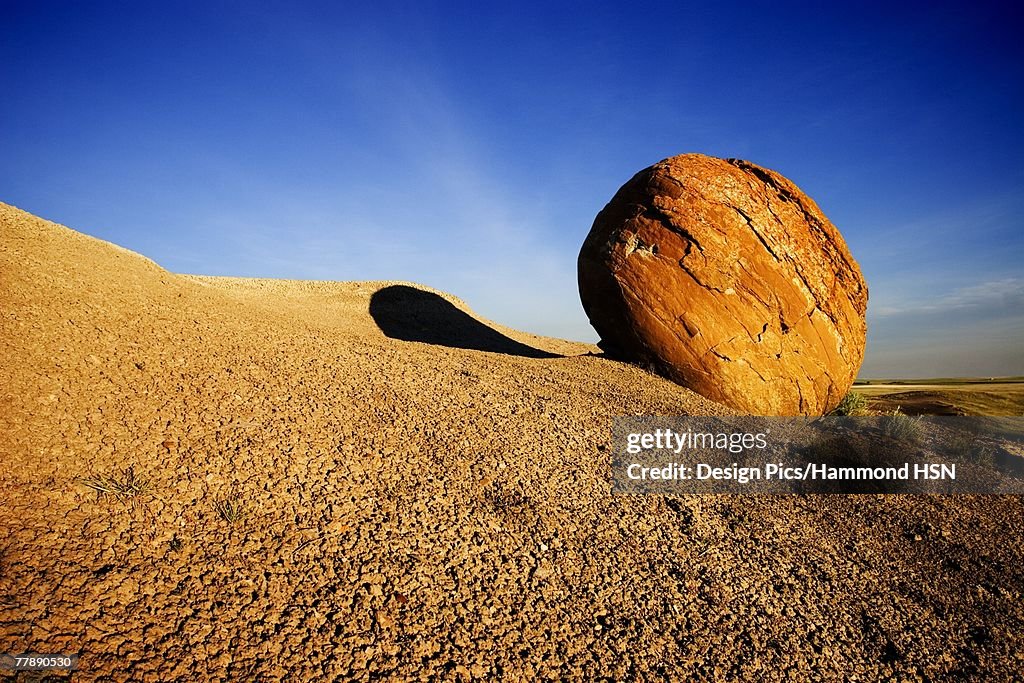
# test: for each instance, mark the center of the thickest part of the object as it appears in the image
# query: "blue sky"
(469, 147)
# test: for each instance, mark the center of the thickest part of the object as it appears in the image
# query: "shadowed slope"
(412, 314)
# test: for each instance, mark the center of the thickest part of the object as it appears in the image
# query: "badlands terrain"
(225, 479)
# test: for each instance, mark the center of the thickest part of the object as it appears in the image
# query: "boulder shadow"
(411, 314)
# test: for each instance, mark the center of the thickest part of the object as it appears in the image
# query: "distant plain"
(1000, 396)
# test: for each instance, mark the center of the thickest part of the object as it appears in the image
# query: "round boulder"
(724, 277)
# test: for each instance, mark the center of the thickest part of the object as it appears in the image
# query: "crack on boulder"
(690, 330)
(817, 302)
(742, 361)
(750, 290)
(782, 323)
(825, 240)
(760, 237)
(768, 205)
(646, 305)
(665, 220)
(689, 271)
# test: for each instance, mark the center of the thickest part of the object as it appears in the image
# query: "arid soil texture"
(219, 479)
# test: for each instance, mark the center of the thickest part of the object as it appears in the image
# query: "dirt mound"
(213, 478)
(729, 280)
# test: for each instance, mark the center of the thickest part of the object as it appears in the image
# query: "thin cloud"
(1006, 294)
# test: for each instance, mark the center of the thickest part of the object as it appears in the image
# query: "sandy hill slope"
(309, 480)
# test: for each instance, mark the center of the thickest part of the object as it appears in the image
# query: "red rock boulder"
(726, 278)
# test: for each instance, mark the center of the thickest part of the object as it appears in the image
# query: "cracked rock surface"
(726, 278)
(296, 495)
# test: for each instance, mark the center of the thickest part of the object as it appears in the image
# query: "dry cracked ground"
(223, 479)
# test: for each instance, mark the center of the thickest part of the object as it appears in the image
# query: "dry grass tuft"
(123, 487)
(901, 426)
(232, 510)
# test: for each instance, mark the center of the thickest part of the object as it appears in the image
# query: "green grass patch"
(852, 404)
